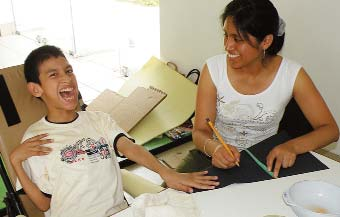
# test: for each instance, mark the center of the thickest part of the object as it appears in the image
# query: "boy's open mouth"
(67, 94)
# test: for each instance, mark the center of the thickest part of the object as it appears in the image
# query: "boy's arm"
(180, 181)
(31, 147)
(32, 191)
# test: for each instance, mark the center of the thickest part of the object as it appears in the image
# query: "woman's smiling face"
(240, 51)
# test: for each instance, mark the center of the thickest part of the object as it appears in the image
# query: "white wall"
(190, 32)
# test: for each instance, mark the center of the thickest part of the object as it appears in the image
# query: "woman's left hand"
(284, 156)
(187, 181)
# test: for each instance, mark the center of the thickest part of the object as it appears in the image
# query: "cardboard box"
(127, 111)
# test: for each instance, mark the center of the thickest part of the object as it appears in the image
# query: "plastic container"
(313, 199)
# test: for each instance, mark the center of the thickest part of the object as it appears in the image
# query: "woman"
(245, 91)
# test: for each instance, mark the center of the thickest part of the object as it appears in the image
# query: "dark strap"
(7, 104)
(193, 72)
(81, 102)
(115, 143)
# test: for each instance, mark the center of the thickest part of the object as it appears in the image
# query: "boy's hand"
(222, 159)
(187, 181)
(284, 156)
(31, 147)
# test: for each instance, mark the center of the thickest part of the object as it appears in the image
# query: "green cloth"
(157, 142)
(2, 193)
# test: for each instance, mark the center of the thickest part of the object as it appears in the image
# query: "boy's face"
(58, 85)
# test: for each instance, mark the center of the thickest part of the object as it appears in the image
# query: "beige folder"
(174, 110)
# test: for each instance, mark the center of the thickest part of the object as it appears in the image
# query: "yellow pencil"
(219, 137)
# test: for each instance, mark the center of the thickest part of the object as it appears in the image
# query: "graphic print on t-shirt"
(237, 121)
(95, 151)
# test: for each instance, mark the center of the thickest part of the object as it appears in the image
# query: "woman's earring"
(264, 53)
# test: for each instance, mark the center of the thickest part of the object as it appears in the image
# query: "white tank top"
(244, 120)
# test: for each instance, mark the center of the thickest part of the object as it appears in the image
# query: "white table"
(256, 199)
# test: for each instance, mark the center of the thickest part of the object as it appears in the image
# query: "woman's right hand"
(222, 159)
(31, 147)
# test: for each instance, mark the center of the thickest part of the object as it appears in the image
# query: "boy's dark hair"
(258, 18)
(36, 57)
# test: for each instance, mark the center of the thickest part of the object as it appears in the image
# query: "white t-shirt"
(244, 120)
(81, 173)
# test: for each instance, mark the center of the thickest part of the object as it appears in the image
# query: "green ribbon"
(259, 163)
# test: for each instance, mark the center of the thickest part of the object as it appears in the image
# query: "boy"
(67, 161)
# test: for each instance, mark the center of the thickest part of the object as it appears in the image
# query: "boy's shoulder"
(36, 124)
(34, 128)
(93, 115)
(96, 115)
(96, 118)
(93, 118)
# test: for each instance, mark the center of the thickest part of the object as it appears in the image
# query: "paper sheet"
(249, 171)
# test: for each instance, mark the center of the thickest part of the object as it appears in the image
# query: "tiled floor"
(117, 35)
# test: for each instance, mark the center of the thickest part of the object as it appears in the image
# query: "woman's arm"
(202, 133)
(317, 113)
(319, 116)
(205, 108)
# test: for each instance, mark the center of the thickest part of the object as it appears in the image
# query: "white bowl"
(313, 199)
